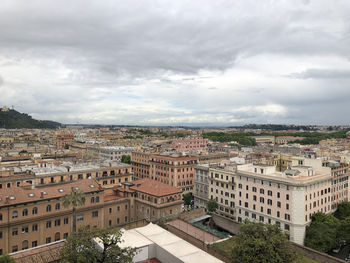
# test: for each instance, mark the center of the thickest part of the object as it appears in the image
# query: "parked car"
(336, 250)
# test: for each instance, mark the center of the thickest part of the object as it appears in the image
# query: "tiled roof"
(154, 188)
(18, 195)
(42, 254)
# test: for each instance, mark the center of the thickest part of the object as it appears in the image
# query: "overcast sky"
(177, 62)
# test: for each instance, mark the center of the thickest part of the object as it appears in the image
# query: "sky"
(195, 62)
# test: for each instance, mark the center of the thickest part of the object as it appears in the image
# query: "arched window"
(25, 212)
(48, 208)
(58, 206)
(14, 214)
(34, 210)
(25, 244)
(57, 236)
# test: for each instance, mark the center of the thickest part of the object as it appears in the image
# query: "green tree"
(126, 159)
(212, 205)
(6, 259)
(66, 146)
(81, 247)
(258, 242)
(75, 198)
(187, 198)
(344, 230)
(322, 233)
(343, 210)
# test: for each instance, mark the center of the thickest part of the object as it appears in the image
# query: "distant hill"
(12, 119)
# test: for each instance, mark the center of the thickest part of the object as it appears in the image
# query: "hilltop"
(12, 119)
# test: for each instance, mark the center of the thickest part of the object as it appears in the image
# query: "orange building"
(174, 170)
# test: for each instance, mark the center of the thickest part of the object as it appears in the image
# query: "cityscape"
(174, 131)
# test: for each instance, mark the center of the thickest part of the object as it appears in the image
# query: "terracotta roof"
(18, 195)
(153, 187)
(112, 197)
(187, 157)
(42, 254)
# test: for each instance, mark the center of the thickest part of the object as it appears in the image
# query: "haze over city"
(177, 62)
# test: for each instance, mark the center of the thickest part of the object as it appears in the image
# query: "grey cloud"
(321, 74)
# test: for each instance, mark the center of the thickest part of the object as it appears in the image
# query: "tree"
(212, 205)
(6, 259)
(75, 198)
(322, 233)
(82, 247)
(66, 146)
(344, 230)
(126, 159)
(343, 211)
(258, 242)
(187, 198)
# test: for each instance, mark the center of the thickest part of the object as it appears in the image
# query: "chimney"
(41, 194)
(7, 200)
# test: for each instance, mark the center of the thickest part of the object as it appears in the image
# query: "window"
(246, 204)
(35, 243)
(25, 212)
(92, 200)
(58, 206)
(287, 206)
(110, 210)
(14, 232)
(0, 217)
(126, 207)
(24, 229)
(97, 199)
(34, 227)
(34, 210)
(269, 193)
(48, 240)
(65, 235)
(279, 204)
(261, 218)
(95, 214)
(287, 196)
(287, 217)
(278, 195)
(254, 189)
(14, 214)
(48, 224)
(278, 213)
(65, 220)
(118, 221)
(261, 199)
(109, 222)
(48, 208)
(286, 227)
(254, 197)
(14, 248)
(80, 218)
(0, 234)
(57, 222)
(269, 201)
(118, 208)
(269, 211)
(125, 219)
(262, 191)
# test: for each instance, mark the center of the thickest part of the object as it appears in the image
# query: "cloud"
(133, 62)
(322, 74)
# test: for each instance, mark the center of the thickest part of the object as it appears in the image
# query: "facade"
(63, 139)
(140, 162)
(115, 153)
(174, 170)
(201, 186)
(186, 144)
(288, 199)
(33, 216)
(45, 173)
(287, 139)
(223, 189)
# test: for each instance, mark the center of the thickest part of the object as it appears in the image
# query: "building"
(287, 139)
(174, 170)
(288, 199)
(33, 216)
(115, 153)
(264, 139)
(140, 162)
(223, 188)
(155, 244)
(201, 186)
(63, 139)
(190, 144)
(50, 173)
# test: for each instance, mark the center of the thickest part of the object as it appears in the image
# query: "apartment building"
(114, 153)
(223, 188)
(63, 139)
(288, 199)
(186, 144)
(140, 162)
(201, 186)
(32, 216)
(174, 170)
(48, 173)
